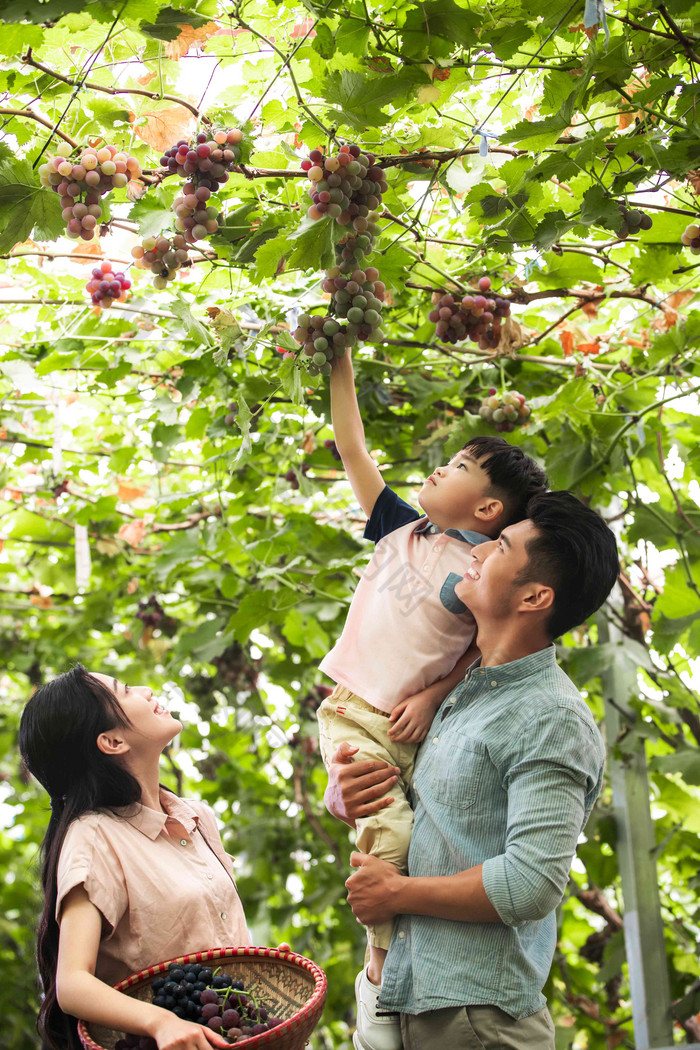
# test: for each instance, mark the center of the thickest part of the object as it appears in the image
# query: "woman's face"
(151, 724)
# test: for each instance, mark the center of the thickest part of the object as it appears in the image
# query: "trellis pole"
(643, 927)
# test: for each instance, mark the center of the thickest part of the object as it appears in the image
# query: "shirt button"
(209, 876)
(401, 935)
(435, 739)
(494, 684)
(223, 915)
(425, 567)
(183, 842)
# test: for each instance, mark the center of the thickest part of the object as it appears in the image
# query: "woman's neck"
(146, 771)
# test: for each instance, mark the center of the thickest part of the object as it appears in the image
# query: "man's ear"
(536, 597)
(111, 743)
(489, 510)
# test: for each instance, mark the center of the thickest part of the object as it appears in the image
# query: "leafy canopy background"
(120, 423)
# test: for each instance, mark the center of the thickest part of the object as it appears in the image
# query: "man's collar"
(426, 527)
(516, 669)
(150, 823)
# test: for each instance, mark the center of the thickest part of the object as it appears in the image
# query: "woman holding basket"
(132, 874)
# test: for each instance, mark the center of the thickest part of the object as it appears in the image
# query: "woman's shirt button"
(183, 842)
(223, 915)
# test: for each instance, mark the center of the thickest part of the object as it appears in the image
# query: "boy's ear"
(111, 743)
(489, 510)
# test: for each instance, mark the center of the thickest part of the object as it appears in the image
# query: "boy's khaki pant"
(476, 1028)
(345, 716)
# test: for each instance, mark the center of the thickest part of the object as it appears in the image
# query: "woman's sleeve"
(87, 859)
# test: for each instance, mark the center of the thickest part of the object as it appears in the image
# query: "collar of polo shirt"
(514, 671)
(151, 823)
(426, 527)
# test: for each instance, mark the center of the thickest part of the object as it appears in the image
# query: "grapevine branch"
(29, 113)
(29, 60)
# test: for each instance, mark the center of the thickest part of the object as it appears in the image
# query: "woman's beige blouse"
(160, 895)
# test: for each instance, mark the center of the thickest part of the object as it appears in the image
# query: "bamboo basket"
(294, 988)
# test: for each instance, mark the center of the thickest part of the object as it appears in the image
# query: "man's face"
(452, 493)
(487, 587)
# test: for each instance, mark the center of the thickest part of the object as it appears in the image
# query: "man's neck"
(502, 643)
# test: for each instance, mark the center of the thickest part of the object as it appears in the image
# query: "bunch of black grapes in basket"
(348, 188)
(210, 998)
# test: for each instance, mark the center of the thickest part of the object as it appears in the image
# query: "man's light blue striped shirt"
(506, 777)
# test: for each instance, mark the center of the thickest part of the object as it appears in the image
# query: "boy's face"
(453, 493)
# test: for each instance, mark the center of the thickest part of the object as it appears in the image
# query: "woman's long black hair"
(58, 741)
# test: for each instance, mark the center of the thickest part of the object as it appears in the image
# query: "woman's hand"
(173, 1033)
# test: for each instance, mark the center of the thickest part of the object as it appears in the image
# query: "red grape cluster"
(476, 316)
(105, 286)
(80, 185)
(163, 257)
(633, 220)
(206, 164)
(347, 187)
(691, 238)
(507, 411)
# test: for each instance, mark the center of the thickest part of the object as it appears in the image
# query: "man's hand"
(412, 717)
(355, 789)
(373, 889)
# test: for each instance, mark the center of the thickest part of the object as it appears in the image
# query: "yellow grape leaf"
(127, 491)
(166, 126)
(91, 248)
(175, 49)
(132, 532)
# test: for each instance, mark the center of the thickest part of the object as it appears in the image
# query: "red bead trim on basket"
(307, 1012)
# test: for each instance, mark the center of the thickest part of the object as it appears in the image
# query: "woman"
(132, 874)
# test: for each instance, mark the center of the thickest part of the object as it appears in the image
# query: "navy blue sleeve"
(388, 513)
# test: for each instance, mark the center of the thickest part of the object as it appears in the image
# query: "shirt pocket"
(458, 772)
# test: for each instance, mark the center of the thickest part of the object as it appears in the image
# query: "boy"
(408, 638)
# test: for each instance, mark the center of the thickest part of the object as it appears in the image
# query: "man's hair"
(575, 553)
(515, 477)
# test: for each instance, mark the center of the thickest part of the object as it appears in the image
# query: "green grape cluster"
(633, 220)
(505, 411)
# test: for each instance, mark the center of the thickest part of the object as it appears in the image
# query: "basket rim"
(213, 955)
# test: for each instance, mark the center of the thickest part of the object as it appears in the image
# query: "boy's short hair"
(515, 477)
(575, 553)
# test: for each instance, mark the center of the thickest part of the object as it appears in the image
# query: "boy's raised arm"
(362, 471)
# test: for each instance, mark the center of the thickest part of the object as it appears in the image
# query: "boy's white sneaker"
(376, 1029)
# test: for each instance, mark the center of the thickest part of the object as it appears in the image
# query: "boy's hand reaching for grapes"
(411, 718)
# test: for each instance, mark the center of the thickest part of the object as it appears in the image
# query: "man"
(502, 787)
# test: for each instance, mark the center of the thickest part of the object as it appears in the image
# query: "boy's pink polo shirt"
(160, 894)
(405, 628)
